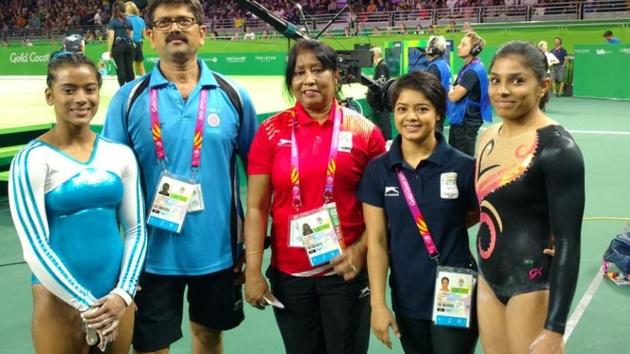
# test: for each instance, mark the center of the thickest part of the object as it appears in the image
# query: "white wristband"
(124, 295)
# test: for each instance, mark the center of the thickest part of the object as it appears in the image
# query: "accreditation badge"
(318, 232)
(196, 201)
(448, 185)
(345, 141)
(453, 298)
(171, 202)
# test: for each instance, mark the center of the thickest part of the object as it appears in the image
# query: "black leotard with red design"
(531, 190)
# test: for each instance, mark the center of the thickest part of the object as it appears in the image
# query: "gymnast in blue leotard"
(71, 192)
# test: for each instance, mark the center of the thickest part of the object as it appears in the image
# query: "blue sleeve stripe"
(128, 226)
(36, 234)
(132, 281)
(129, 262)
(139, 247)
(142, 234)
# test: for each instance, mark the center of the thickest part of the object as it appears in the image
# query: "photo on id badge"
(170, 203)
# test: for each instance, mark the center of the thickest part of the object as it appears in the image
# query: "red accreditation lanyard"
(330, 169)
(157, 132)
(417, 216)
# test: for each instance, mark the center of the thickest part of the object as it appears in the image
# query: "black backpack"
(618, 252)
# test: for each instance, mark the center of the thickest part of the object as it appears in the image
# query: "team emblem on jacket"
(213, 120)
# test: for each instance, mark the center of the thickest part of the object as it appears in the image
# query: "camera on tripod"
(350, 62)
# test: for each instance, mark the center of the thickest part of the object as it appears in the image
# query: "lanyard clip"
(297, 203)
(194, 173)
(328, 190)
(163, 162)
(435, 257)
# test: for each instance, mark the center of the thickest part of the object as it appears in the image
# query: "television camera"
(349, 63)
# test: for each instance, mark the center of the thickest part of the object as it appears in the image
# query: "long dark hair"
(533, 58)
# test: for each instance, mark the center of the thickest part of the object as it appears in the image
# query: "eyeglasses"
(165, 24)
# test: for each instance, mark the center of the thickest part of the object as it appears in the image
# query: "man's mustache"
(173, 36)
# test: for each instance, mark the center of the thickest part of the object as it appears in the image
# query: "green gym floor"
(598, 324)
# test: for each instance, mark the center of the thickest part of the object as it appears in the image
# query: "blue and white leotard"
(68, 215)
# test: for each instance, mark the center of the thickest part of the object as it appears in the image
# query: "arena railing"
(606, 10)
(43, 34)
(557, 11)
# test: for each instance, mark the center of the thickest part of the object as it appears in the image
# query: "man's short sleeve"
(248, 125)
(115, 126)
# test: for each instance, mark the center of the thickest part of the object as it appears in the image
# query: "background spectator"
(610, 39)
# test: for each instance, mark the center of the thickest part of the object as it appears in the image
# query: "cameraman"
(436, 47)
(469, 104)
(381, 72)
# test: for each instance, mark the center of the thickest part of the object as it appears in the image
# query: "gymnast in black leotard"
(530, 185)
